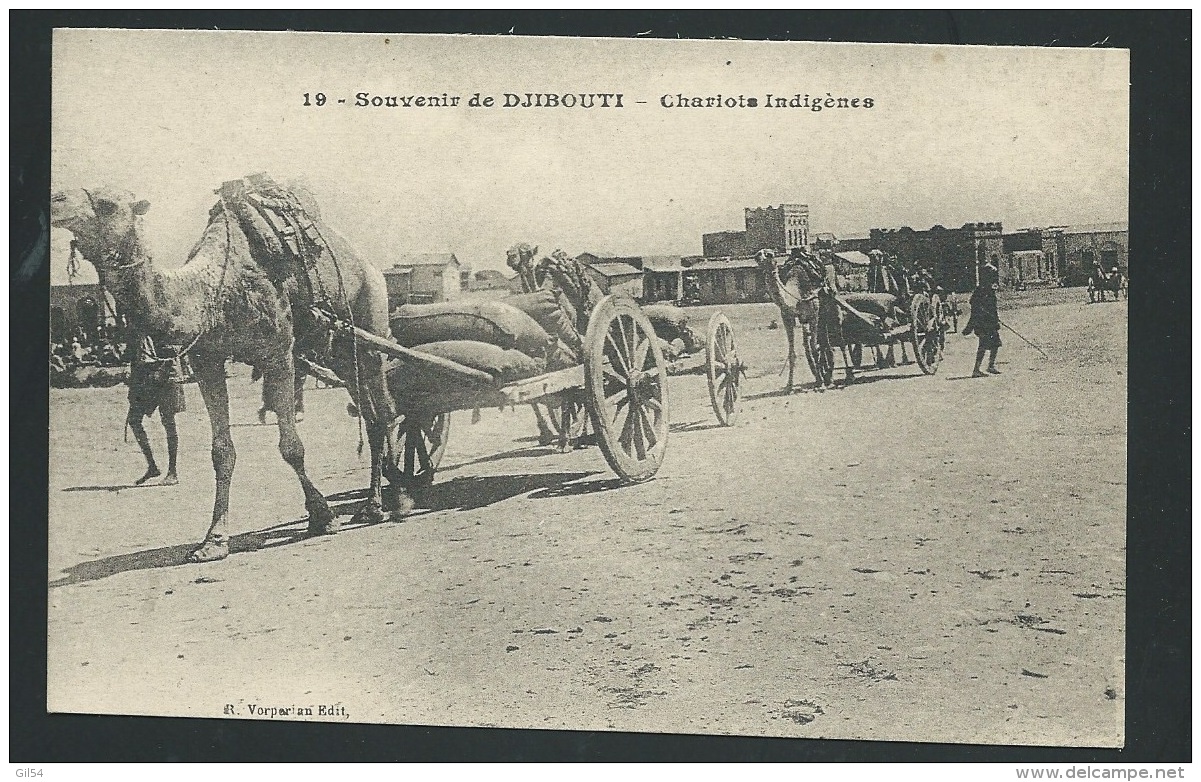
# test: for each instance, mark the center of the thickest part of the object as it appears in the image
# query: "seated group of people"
(102, 348)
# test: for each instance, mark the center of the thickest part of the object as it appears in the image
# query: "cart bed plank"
(543, 385)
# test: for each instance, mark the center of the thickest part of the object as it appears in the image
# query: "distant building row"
(1032, 256)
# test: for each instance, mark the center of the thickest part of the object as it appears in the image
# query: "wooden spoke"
(647, 428)
(641, 353)
(627, 338)
(410, 452)
(423, 453)
(639, 442)
(619, 360)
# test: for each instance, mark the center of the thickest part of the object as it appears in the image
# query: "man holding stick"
(985, 321)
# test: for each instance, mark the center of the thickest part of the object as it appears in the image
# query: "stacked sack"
(490, 336)
(671, 327)
(558, 317)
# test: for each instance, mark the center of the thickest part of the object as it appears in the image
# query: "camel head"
(766, 260)
(520, 255)
(105, 221)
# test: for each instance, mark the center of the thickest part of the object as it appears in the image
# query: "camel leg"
(546, 435)
(377, 408)
(789, 323)
(279, 386)
(210, 374)
(846, 362)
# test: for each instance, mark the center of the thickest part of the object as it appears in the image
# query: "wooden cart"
(923, 326)
(621, 386)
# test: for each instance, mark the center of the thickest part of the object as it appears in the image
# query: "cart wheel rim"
(925, 333)
(420, 444)
(723, 368)
(626, 386)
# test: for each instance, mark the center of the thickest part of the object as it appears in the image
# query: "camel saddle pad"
(272, 214)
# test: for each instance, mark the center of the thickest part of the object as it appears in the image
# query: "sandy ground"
(907, 558)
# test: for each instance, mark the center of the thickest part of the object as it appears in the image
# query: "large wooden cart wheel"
(723, 368)
(625, 379)
(417, 444)
(926, 334)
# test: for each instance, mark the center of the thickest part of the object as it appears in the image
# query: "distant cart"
(897, 311)
(621, 384)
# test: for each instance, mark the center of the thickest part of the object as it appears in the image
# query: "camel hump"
(276, 220)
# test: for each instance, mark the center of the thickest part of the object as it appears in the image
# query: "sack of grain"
(416, 385)
(555, 314)
(491, 322)
(671, 324)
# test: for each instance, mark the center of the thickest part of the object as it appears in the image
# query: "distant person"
(298, 389)
(155, 383)
(984, 320)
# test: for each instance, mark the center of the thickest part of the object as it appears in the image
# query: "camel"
(232, 300)
(796, 306)
(575, 296)
(802, 295)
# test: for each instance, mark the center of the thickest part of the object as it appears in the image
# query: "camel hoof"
(371, 513)
(171, 479)
(209, 551)
(322, 521)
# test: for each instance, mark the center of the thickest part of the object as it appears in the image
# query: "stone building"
(723, 244)
(424, 278)
(779, 228)
(722, 281)
(1077, 247)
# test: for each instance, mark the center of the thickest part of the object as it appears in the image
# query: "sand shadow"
(173, 556)
(809, 388)
(472, 493)
(694, 426)
(576, 489)
(863, 381)
(458, 494)
(121, 487)
(516, 453)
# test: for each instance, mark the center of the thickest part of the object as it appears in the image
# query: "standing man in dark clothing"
(155, 383)
(985, 321)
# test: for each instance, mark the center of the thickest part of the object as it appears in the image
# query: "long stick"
(1023, 339)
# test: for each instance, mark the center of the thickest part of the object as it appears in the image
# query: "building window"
(740, 282)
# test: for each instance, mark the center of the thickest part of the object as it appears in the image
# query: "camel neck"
(776, 285)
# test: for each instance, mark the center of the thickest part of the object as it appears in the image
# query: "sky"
(1027, 136)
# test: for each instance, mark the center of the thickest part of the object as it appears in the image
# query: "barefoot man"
(155, 383)
(985, 321)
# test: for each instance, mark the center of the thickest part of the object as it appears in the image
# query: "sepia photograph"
(707, 387)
